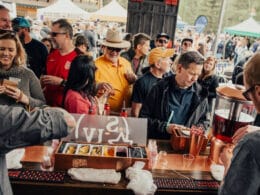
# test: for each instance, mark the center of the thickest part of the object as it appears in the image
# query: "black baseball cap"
(162, 35)
(186, 39)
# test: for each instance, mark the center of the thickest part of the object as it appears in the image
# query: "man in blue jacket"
(177, 99)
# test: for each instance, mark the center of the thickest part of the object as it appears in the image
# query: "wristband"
(63, 83)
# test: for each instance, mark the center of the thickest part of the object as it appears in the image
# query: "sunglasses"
(16, 29)
(162, 41)
(187, 44)
(11, 32)
(54, 34)
(114, 49)
(249, 90)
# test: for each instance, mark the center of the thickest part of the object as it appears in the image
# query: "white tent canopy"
(248, 27)
(62, 9)
(113, 12)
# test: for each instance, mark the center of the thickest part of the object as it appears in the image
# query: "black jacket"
(210, 83)
(129, 55)
(257, 120)
(237, 75)
(156, 108)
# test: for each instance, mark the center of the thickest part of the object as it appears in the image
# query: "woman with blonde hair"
(208, 79)
(19, 85)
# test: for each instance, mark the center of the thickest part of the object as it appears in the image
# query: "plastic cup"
(101, 103)
(187, 160)
(162, 160)
(47, 163)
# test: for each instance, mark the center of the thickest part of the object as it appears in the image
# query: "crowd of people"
(169, 83)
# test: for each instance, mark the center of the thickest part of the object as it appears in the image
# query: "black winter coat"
(156, 108)
(210, 83)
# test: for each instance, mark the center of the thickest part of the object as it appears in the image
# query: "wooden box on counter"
(181, 142)
(101, 156)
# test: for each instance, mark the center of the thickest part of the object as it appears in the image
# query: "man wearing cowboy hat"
(114, 70)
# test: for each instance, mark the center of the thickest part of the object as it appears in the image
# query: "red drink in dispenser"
(224, 128)
(231, 112)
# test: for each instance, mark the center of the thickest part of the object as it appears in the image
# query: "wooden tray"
(65, 161)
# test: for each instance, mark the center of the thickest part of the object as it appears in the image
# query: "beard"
(22, 37)
(55, 44)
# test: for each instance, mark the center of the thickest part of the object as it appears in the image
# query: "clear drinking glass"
(187, 160)
(162, 159)
(101, 104)
(47, 163)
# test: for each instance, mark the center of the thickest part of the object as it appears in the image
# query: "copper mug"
(196, 142)
(216, 147)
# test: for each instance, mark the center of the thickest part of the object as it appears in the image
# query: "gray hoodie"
(19, 128)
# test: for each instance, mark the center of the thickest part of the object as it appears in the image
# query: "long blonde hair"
(20, 58)
(204, 73)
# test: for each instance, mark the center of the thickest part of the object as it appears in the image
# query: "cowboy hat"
(114, 39)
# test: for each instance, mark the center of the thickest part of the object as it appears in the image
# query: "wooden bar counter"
(174, 169)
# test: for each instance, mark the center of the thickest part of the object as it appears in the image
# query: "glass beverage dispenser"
(231, 112)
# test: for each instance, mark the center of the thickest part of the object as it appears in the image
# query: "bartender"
(177, 99)
(19, 128)
(243, 170)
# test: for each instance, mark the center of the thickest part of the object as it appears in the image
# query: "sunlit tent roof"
(62, 9)
(113, 12)
(248, 27)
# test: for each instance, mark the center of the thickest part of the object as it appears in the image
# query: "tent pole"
(100, 4)
(220, 22)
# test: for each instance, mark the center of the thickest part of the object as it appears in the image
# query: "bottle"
(153, 153)
(91, 112)
(55, 144)
(123, 112)
(107, 109)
